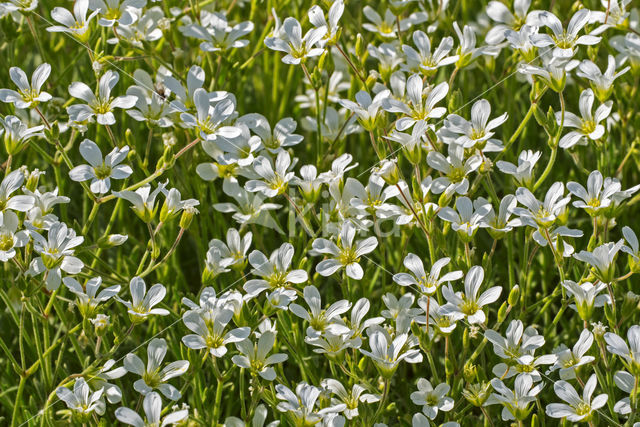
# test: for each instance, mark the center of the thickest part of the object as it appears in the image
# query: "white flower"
(523, 172)
(56, 254)
(150, 107)
(467, 51)
(142, 302)
(468, 304)
(348, 398)
(88, 296)
(399, 309)
(601, 83)
(497, 11)
(29, 93)
(344, 253)
(173, 205)
(76, 24)
(301, 405)
(100, 170)
(477, 132)
(209, 328)
(425, 61)
(578, 409)
(254, 356)
(466, 218)
(114, 12)
(216, 33)
(276, 177)
(236, 248)
(17, 133)
(152, 406)
(432, 399)
(275, 272)
(594, 198)
(210, 119)
(321, 320)
(153, 376)
(568, 360)
(143, 200)
(553, 74)
(586, 297)
(12, 182)
(82, 399)
(10, 237)
(420, 102)
(602, 259)
(588, 124)
(387, 352)
(388, 27)
(541, 214)
(100, 106)
(316, 17)
(441, 321)
(428, 284)
(274, 140)
(339, 167)
(250, 209)
(564, 41)
(367, 109)
(296, 47)
(515, 403)
(630, 355)
(518, 341)
(455, 169)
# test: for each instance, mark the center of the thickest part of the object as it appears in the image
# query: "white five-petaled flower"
(153, 375)
(316, 17)
(143, 200)
(210, 330)
(255, 358)
(211, 116)
(523, 171)
(432, 399)
(16, 133)
(630, 354)
(344, 253)
(367, 109)
(602, 260)
(477, 132)
(297, 47)
(10, 237)
(588, 125)
(301, 405)
(29, 93)
(216, 32)
(468, 304)
(508, 20)
(595, 197)
(142, 302)
(56, 254)
(586, 296)
(423, 60)
(541, 214)
(570, 359)
(515, 403)
(455, 168)
(276, 177)
(88, 295)
(20, 202)
(601, 83)
(82, 399)
(101, 170)
(564, 41)
(275, 271)
(419, 103)
(467, 217)
(348, 398)
(321, 320)
(100, 106)
(387, 352)
(428, 284)
(152, 406)
(577, 408)
(76, 24)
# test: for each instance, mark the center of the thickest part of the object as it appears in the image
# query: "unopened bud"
(112, 240)
(187, 216)
(514, 296)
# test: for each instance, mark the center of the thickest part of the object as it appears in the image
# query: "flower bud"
(100, 324)
(514, 296)
(388, 170)
(112, 240)
(187, 217)
(502, 312)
